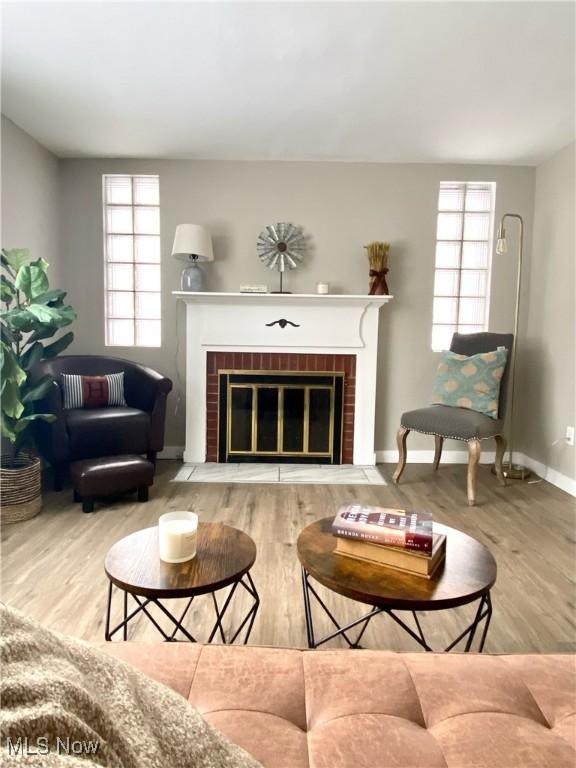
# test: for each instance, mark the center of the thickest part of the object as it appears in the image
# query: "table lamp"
(192, 243)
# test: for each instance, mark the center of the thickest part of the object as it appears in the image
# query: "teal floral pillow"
(470, 382)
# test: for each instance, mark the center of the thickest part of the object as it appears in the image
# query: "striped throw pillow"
(93, 391)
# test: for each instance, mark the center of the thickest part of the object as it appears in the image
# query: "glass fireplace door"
(283, 416)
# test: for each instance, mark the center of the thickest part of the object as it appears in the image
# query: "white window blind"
(132, 260)
(463, 259)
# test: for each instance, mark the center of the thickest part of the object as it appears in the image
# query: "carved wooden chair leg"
(500, 451)
(438, 443)
(474, 449)
(401, 436)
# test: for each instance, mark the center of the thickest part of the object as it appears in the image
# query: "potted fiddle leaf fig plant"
(31, 314)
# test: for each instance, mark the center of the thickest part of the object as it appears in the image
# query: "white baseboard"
(427, 457)
(549, 474)
(171, 452)
(552, 476)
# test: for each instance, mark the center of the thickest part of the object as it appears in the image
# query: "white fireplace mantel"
(317, 324)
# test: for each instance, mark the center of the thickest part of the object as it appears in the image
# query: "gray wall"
(546, 371)
(340, 205)
(30, 197)
(54, 208)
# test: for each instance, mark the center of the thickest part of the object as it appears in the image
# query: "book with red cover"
(383, 525)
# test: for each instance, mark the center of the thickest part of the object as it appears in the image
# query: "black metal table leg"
(474, 625)
(417, 622)
(177, 622)
(107, 634)
(307, 611)
(308, 590)
(486, 623)
(251, 615)
(248, 619)
(143, 606)
(480, 615)
(364, 628)
(220, 615)
(181, 619)
(409, 631)
(483, 613)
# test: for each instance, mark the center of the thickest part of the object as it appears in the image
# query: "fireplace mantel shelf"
(217, 297)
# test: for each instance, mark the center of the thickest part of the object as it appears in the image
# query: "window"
(132, 260)
(463, 258)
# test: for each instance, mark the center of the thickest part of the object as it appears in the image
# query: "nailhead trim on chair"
(449, 437)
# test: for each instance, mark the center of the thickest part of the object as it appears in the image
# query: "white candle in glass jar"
(177, 536)
(322, 288)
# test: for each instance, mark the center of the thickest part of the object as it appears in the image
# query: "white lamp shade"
(192, 240)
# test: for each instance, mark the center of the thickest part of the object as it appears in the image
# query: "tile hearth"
(323, 474)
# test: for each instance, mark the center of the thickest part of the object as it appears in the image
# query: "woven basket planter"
(20, 488)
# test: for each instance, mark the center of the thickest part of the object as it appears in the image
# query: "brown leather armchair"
(83, 433)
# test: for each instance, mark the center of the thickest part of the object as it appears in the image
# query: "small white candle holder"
(322, 288)
(177, 536)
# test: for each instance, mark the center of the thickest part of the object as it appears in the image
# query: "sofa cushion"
(107, 431)
(253, 695)
(446, 421)
(338, 709)
(368, 709)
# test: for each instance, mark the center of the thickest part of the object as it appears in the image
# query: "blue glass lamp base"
(192, 279)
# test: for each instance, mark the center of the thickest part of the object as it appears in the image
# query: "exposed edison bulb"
(501, 244)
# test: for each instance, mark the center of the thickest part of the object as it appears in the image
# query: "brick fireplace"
(278, 362)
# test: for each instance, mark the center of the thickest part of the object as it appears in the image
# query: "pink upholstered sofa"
(375, 709)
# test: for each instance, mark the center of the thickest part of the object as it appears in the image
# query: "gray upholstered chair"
(444, 421)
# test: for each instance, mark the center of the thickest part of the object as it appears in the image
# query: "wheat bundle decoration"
(378, 260)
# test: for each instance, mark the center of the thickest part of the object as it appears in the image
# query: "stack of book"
(395, 538)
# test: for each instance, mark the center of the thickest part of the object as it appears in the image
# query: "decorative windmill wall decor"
(281, 246)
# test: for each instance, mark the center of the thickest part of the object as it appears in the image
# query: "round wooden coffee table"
(467, 574)
(224, 558)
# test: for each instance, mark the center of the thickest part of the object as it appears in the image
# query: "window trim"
(105, 250)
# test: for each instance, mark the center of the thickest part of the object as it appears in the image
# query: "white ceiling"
(394, 82)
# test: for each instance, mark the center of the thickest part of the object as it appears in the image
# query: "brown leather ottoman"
(110, 476)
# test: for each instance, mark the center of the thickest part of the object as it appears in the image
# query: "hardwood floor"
(52, 566)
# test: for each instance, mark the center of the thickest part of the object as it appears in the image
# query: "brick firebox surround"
(273, 362)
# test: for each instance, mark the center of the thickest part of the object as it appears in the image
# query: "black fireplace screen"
(280, 417)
